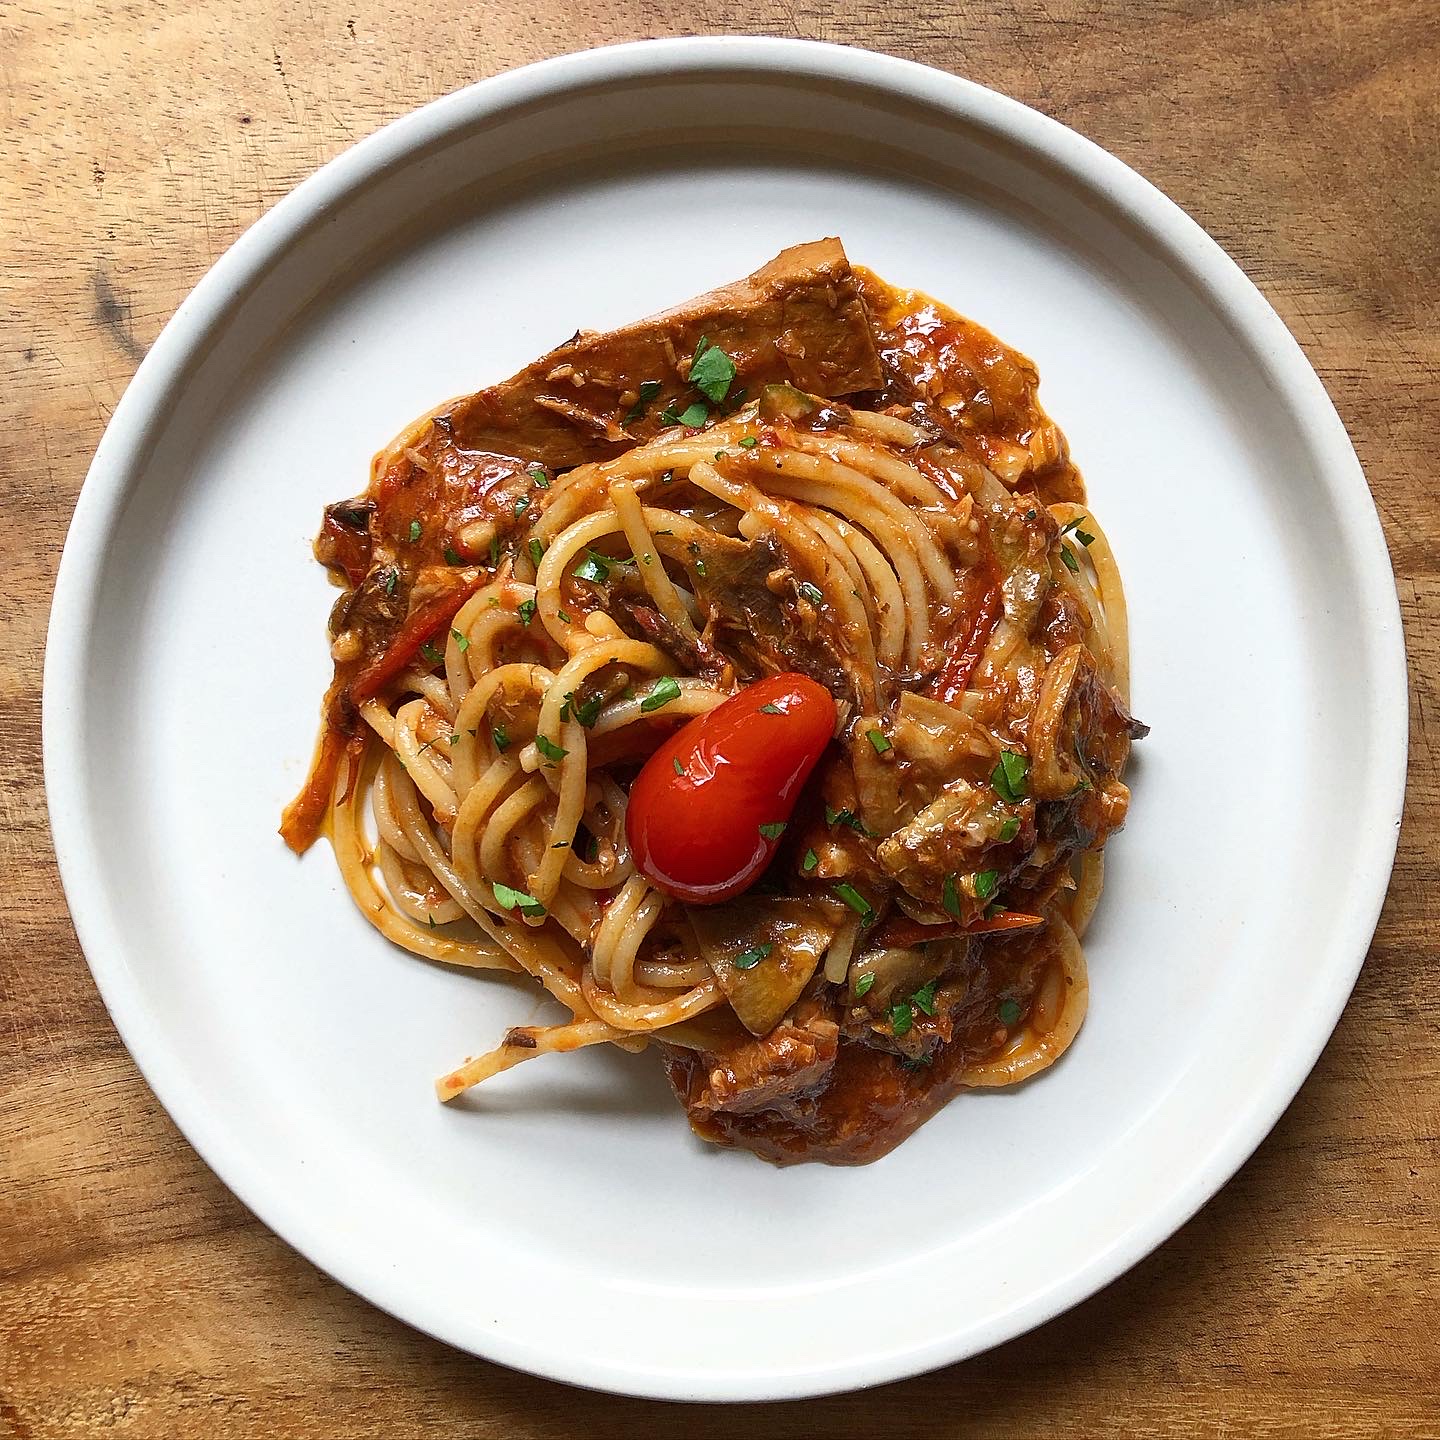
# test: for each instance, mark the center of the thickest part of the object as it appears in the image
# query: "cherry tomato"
(707, 811)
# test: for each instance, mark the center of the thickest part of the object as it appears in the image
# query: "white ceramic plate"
(566, 1222)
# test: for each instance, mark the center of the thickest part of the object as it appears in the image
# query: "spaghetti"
(569, 686)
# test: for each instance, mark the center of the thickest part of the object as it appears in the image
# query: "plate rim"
(182, 342)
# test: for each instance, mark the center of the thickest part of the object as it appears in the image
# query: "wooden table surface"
(137, 1298)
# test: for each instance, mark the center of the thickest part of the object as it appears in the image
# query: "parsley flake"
(902, 1017)
(1068, 556)
(856, 901)
(924, 998)
(711, 371)
(392, 578)
(451, 558)
(661, 693)
(748, 442)
(771, 710)
(679, 768)
(950, 897)
(462, 642)
(878, 740)
(984, 882)
(537, 552)
(813, 593)
(541, 479)
(1010, 776)
(592, 568)
(810, 862)
(526, 611)
(649, 389)
(430, 654)
(751, 958)
(773, 829)
(1009, 830)
(509, 898)
(501, 738)
(863, 984)
(550, 750)
(1009, 1012)
(414, 531)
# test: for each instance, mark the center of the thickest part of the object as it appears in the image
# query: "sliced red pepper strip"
(901, 931)
(419, 626)
(950, 683)
(304, 815)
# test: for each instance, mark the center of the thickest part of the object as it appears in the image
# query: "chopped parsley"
(902, 1017)
(494, 550)
(414, 531)
(751, 958)
(592, 568)
(430, 653)
(748, 442)
(541, 479)
(878, 740)
(773, 829)
(661, 693)
(451, 558)
(924, 998)
(679, 768)
(863, 984)
(813, 593)
(1010, 776)
(950, 897)
(856, 901)
(1009, 1012)
(1074, 525)
(392, 578)
(355, 516)
(526, 610)
(771, 710)
(550, 750)
(511, 899)
(846, 817)
(720, 454)
(1009, 830)
(521, 506)
(462, 642)
(585, 711)
(693, 415)
(984, 882)
(711, 371)
(810, 862)
(562, 616)
(649, 389)
(1068, 556)
(537, 552)
(700, 568)
(501, 738)
(453, 739)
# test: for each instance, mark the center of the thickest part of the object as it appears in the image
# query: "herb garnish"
(1009, 830)
(1009, 777)
(661, 693)
(592, 568)
(751, 958)
(924, 998)
(494, 550)
(501, 738)
(649, 389)
(526, 610)
(810, 862)
(856, 901)
(510, 899)
(430, 653)
(813, 593)
(878, 740)
(711, 371)
(847, 817)
(537, 552)
(950, 897)
(679, 768)
(902, 1017)
(771, 709)
(1068, 556)
(1009, 1012)
(863, 984)
(748, 442)
(550, 750)
(462, 642)
(414, 531)
(392, 578)
(773, 829)
(451, 558)
(984, 882)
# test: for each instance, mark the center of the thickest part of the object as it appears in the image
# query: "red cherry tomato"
(696, 809)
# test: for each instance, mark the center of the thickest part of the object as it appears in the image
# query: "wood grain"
(137, 1298)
